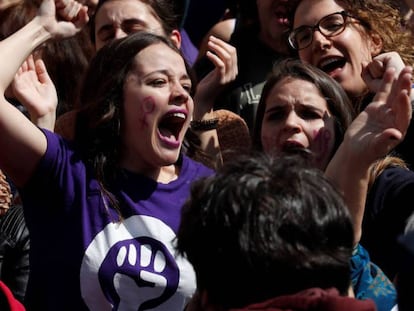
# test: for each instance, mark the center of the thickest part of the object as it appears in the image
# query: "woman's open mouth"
(171, 126)
(332, 64)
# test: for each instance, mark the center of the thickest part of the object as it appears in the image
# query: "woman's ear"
(175, 37)
(376, 44)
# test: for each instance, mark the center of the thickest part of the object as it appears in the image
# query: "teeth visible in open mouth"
(171, 125)
(331, 63)
(178, 115)
(175, 115)
(328, 61)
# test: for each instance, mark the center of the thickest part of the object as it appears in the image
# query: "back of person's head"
(166, 11)
(338, 102)
(264, 227)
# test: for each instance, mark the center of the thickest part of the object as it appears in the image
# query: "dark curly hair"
(266, 227)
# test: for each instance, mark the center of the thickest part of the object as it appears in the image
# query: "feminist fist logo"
(129, 269)
(141, 265)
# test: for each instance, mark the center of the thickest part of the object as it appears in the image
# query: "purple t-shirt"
(82, 257)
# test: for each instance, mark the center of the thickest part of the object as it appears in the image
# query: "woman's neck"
(167, 174)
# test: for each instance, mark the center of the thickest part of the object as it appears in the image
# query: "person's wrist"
(204, 124)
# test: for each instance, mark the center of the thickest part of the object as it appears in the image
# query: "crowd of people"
(174, 155)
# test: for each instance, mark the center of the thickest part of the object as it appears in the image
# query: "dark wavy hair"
(338, 102)
(266, 227)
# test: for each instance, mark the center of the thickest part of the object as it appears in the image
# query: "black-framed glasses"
(330, 25)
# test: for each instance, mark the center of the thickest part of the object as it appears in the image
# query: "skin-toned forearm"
(19, 136)
(16, 48)
(45, 25)
(372, 135)
(209, 140)
(47, 121)
(224, 58)
(351, 177)
(23, 142)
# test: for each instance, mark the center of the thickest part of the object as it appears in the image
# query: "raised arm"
(372, 135)
(373, 71)
(23, 144)
(35, 90)
(224, 58)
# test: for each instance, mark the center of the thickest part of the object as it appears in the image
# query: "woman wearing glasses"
(347, 38)
(354, 41)
(341, 36)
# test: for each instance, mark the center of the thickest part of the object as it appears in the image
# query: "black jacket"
(14, 251)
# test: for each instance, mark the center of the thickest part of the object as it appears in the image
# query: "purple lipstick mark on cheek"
(322, 139)
(270, 144)
(148, 108)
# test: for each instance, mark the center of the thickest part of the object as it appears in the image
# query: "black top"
(389, 205)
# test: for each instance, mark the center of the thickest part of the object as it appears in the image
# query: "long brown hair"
(99, 112)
